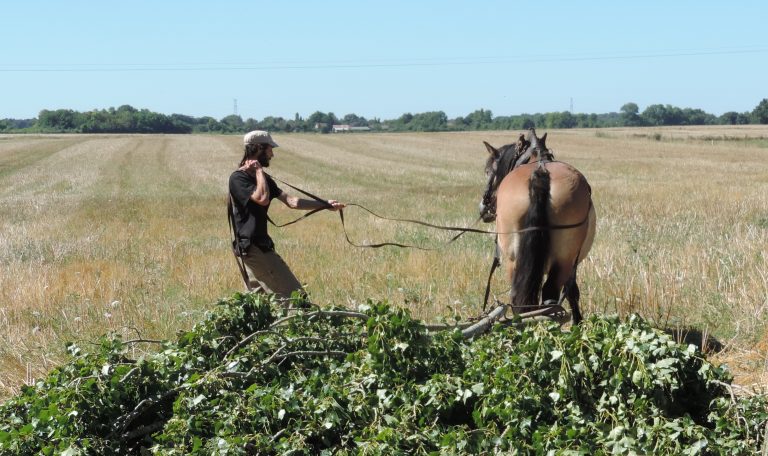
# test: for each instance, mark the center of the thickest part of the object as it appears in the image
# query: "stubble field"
(129, 234)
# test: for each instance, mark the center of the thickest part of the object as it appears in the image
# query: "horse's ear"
(491, 150)
(532, 138)
(543, 141)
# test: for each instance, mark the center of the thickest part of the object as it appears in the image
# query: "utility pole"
(235, 106)
(571, 105)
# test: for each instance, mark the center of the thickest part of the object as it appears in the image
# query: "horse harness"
(506, 163)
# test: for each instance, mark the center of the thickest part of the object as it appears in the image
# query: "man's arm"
(294, 202)
(260, 193)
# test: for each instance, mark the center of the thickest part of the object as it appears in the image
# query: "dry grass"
(128, 233)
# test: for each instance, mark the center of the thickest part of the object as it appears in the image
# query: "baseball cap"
(258, 137)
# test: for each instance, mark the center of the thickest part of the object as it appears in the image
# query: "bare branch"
(312, 353)
(130, 372)
(245, 341)
(443, 327)
(485, 323)
(141, 431)
(148, 341)
(328, 313)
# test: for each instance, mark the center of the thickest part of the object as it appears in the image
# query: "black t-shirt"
(250, 218)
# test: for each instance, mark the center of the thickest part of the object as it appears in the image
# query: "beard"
(263, 160)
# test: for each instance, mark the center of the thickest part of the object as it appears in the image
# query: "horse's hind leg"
(564, 278)
(572, 294)
(551, 289)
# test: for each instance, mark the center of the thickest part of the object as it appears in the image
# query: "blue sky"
(381, 59)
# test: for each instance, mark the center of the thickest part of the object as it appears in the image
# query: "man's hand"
(251, 166)
(335, 205)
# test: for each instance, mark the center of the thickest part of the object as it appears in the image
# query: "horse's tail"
(533, 247)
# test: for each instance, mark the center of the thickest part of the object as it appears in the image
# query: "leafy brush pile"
(248, 381)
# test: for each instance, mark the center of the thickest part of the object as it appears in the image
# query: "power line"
(402, 63)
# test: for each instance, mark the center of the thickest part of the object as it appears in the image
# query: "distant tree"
(250, 124)
(479, 120)
(97, 122)
(527, 123)
(354, 120)
(17, 124)
(697, 117)
(232, 123)
(630, 116)
(59, 120)
(460, 122)
(406, 118)
(270, 123)
(127, 119)
(374, 123)
(321, 121)
(655, 115)
(429, 121)
(735, 118)
(126, 108)
(760, 113)
(181, 118)
(586, 120)
(521, 122)
(562, 119)
(212, 124)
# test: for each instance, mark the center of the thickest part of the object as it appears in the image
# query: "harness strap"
(314, 197)
(236, 244)
(373, 246)
(494, 265)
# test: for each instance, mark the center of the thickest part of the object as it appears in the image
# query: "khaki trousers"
(268, 272)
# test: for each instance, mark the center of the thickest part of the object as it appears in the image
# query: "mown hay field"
(128, 233)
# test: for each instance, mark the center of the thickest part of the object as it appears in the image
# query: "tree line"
(127, 119)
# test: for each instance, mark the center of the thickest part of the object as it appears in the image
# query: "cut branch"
(141, 431)
(485, 323)
(245, 341)
(311, 353)
(328, 313)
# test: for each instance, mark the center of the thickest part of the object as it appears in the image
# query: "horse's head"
(500, 162)
(503, 160)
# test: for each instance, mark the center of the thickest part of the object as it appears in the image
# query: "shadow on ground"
(708, 344)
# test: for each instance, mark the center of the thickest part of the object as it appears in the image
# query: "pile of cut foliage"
(248, 380)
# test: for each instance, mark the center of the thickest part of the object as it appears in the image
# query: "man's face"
(266, 156)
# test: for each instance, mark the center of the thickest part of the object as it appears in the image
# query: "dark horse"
(545, 220)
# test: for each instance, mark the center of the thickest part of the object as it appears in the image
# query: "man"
(252, 191)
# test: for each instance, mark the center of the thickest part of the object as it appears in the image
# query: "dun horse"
(545, 220)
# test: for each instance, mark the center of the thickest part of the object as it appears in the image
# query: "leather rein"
(490, 190)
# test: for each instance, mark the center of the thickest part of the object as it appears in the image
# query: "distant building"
(340, 128)
(345, 128)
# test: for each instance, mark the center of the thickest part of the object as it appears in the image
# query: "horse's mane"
(508, 155)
